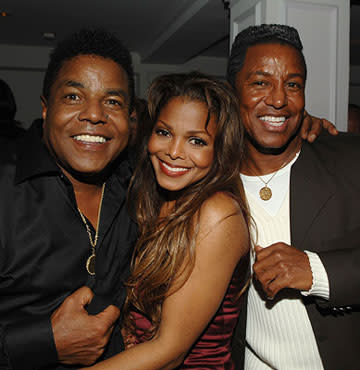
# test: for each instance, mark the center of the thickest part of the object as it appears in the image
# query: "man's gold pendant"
(90, 264)
(265, 193)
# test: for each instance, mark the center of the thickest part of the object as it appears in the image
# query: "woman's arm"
(221, 242)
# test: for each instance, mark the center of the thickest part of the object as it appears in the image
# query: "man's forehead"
(74, 72)
(271, 50)
(260, 58)
(90, 61)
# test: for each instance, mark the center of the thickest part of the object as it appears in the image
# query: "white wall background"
(321, 63)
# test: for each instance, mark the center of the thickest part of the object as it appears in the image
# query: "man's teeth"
(90, 138)
(274, 121)
(175, 169)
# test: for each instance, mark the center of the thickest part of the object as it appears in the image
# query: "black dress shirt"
(44, 247)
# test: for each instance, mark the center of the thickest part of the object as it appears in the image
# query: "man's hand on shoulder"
(312, 127)
(80, 338)
(282, 266)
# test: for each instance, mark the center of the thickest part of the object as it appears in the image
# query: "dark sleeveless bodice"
(213, 349)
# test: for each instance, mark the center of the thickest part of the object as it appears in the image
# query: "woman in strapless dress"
(190, 262)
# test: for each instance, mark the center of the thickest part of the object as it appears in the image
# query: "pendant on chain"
(265, 193)
(90, 264)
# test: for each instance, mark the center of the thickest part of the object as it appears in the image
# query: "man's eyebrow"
(117, 92)
(110, 91)
(72, 83)
(293, 75)
(260, 73)
(267, 74)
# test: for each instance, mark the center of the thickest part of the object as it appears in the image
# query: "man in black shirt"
(64, 222)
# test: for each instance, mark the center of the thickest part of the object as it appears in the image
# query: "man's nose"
(277, 96)
(94, 112)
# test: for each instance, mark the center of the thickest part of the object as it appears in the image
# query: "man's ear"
(43, 107)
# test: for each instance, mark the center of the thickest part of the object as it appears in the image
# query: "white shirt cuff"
(320, 286)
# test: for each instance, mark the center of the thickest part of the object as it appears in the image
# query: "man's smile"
(91, 138)
(273, 121)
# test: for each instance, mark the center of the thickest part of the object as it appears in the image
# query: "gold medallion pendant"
(90, 264)
(265, 193)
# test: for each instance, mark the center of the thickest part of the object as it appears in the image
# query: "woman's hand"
(312, 127)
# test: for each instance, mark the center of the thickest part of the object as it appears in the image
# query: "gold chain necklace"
(265, 192)
(90, 262)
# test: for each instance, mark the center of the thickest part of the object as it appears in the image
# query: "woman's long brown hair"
(165, 252)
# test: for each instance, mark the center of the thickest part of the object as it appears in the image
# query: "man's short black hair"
(89, 42)
(263, 34)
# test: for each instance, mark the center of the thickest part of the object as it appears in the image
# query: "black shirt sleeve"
(30, 344)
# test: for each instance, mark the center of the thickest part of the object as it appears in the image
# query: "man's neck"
(258, 164)
(88, 196)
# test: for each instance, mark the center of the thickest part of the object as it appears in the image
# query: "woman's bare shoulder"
(221, 219)
(220, 206)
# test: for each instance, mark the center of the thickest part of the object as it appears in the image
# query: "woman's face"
(181, 148)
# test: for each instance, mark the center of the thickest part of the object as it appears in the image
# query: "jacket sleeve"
(341, 261)
(328, 222)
